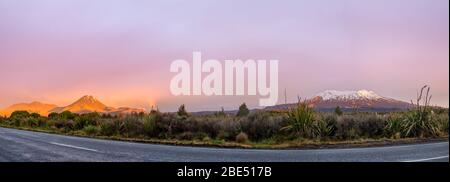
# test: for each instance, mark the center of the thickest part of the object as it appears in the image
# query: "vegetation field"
(296, 127)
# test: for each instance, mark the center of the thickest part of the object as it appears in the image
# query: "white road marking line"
(427, 159)
(75, 147)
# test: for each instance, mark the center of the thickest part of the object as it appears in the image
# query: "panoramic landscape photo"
(224, 81)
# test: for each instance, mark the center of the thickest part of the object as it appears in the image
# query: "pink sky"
(56, 51)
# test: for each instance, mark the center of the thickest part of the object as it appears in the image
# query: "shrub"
(220, 113)
(243, 110)
(185, 136)
(261, 125)
(241, 137)
(207, 126)
(228, 128)
(86, 119)
(338, 111)
(109, 127)
(32, 122)
(371, 125)
(324, 129)
(3, 120)
(346, 127)
(224, 135)
(53, 115)
(182, 111)
(150, 124)
(418, 121)
(442, 121)
(132, 126)
(35, 115)
(66, 125)
(201, 136)
(331, 122)
(70, 115)
(90, 130)
(393, 126)
(19, 114)
(301, 121)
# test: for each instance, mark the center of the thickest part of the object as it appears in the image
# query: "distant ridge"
(85, 104)
(32, 107)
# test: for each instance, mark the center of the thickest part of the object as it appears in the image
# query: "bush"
(242, 138)
(132, 126)
(66, 125)
(347, 127)
(393, 127)
(442, 121)
(35, 115)
(109, 127)
(418, 122)
(86, 119)
(301, 121)
(243, 110)
(53, 115)
(70, 115)
(150, 124)
(90, 130)
(324, 129)
(3, 120)
(19, 115)
(220, 113)
(182, 111)
(32, 122)
(185, 136)
(261, 125)
(338, 111)
(228, 128)
(331, 122)
(371, 126)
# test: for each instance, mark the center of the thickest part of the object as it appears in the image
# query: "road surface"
(23, 146)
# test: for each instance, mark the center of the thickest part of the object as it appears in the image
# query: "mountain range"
(361, 100)
(85, 104)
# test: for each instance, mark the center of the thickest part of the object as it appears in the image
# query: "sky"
(56, 51)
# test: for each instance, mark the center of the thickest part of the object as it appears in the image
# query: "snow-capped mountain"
(336, 94)
(360, 100)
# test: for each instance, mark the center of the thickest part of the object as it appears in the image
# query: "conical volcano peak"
(88, 98)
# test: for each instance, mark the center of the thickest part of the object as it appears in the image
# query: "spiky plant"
(393, 126)
(323, 129)
(418, 121)
(301, 121)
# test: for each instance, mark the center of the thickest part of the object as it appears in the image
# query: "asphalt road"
(23, 146)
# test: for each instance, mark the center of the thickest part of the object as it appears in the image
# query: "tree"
(338, 111)
(182, 111)
(19, 114)
(53, 115)
(67, 115)
(243, 110)
(35, 115)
